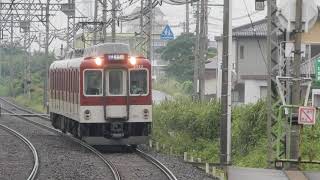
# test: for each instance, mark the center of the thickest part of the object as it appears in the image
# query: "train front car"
(115, 97)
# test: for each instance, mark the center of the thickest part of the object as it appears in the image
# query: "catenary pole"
(296, 96)
(225, 123)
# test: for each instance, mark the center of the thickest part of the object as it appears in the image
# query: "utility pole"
(11, 68)
(149, 30)
(45, 93)
(141, 17)
(113, 25)
(104, 19)
(225, 122)
(296, 97)
(95, 16)
(187, 17)
(203, 48)
(196, 56)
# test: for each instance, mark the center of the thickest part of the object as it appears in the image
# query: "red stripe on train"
(118, 100)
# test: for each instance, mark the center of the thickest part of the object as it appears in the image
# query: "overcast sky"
(176, 14)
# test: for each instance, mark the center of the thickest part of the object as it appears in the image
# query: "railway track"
(157, 163)
(35, 167)
(112, 167)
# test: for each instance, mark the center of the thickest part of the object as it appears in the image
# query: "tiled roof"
(258, 28)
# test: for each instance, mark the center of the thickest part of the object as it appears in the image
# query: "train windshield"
(117, 80)
(93, 82)
(138, 82)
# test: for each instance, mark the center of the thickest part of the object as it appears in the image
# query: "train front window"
(116, 82)
(138, 82)
(93, 82)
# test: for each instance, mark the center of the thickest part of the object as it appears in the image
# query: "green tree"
(180, 55)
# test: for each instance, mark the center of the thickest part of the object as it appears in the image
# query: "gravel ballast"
(60, 158)
(133, 167)
(182, 170)
(16, 159)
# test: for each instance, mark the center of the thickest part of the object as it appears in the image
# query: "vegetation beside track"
(193, 127)
(12, 76)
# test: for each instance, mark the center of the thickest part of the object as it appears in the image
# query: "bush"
(249, 124)
(173, 87)
(194, 127)
(188, 126)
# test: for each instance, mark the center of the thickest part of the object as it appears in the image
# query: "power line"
(255, 34)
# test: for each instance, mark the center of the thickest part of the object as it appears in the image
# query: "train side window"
(139, 82)
(93, 82)
(116, 82)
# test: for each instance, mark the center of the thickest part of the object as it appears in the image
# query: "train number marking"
(138, 66)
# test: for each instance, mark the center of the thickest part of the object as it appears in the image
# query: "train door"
(116, 91)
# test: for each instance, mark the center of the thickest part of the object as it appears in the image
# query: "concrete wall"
(253, 60)
(253, 90)
(211, 86)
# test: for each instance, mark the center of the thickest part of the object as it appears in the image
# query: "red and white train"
(103, 97)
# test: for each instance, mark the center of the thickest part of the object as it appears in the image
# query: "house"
(210, 86)
(248, 59)
(248, 63)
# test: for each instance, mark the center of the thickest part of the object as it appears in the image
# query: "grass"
(173, 87)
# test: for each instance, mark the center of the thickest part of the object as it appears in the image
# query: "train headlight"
(87, 114)
(133, 60)
(98, 61)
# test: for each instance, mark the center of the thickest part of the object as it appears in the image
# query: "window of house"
(138, 82)
(116, 82)
(241, 53)
(93, 82)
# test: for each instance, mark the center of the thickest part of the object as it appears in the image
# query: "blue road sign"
(167, 33)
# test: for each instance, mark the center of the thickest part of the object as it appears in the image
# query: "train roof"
(62, 64)
(106, 48)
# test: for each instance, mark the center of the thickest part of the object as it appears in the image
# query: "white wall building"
(247, 61)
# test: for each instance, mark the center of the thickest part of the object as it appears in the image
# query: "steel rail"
(110, 165)
(25, 110)
(157, 163)
(35, 168)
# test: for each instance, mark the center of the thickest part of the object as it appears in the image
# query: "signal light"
(98, 61)
(133, 60)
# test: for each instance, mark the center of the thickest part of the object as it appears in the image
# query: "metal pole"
(203, 48)
(11, 68)
(113, 25)
(187, 17)
(225, 123)
(196, 56)
(104, 19)
(269, 83)
(149, 30)
(272, 60)
(45, 93)
(95, 15)
(68, 35)
(141, 17)
(296, 97)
